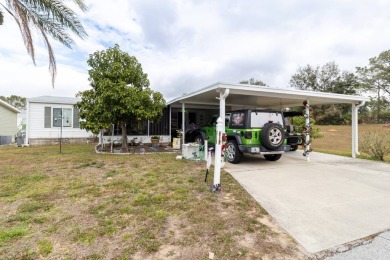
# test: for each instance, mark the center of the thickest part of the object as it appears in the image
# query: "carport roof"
(252, 96)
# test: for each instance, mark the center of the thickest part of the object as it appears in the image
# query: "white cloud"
(184, 45)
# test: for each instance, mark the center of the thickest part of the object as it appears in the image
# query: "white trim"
(27, 122)
(273, 92)
(9, 106)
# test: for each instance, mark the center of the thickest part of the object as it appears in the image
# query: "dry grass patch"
(82, 205)
(338, 138)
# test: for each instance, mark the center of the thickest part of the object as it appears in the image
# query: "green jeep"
(248, 131)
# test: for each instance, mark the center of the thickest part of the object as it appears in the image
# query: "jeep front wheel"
(233, 154)
(272, 136)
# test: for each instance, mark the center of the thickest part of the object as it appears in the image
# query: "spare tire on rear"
(272, 136)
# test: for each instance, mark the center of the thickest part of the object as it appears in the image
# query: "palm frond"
(50, 17)
(17, 11)
(52, 60)
(55, 10)
(1, 17)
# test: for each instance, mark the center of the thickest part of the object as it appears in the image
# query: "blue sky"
(186, 45)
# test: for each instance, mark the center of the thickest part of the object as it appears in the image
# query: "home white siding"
(8, 122)
(36, 123)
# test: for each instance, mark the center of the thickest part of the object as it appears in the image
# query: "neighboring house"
(8, 122)
(48, 116)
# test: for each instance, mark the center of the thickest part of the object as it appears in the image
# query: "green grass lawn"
(83, 205)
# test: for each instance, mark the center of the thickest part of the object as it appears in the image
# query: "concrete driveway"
(324, 203)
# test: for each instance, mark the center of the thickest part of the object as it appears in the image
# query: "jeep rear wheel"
(272, 157)
(233, 154)
(272, 136)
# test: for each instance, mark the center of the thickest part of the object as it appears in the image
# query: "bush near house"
(376, 144)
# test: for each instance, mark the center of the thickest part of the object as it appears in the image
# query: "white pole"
(112, 137)
(308, 128)
(222, 105)
(170, 124)
(183, 123)
(357, 127)
(217, 163)
(353, 130)
(205, 150)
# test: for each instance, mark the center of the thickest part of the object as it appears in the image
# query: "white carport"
(229, 97)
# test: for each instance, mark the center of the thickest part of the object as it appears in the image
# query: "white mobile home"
(8, 122)
(49, 118)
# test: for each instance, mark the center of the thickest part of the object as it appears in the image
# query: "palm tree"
(51, 18)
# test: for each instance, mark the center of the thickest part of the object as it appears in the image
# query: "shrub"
(300, 122)
(375, 144)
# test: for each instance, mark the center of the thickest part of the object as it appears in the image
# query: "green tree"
(253, 81)
(120, 91)
(327, 78)
(50, 18)
(375, 78)
(16, 101)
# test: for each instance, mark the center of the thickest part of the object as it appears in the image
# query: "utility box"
(20, 139)
(191, 151)
(5, 139)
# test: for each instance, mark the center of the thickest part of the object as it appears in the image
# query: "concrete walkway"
(324, 203)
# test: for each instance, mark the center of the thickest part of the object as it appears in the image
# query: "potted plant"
(177, 141)
(155, 140)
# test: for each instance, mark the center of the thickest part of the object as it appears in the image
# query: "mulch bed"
(140, 149)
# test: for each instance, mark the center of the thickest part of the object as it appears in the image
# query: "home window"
(62, 116)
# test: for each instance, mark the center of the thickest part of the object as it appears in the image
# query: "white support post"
(220, 130)
(205, 150)
(355, 129)
(183, 123)
(222, 104)
(217, 163)
(354, 126)
(170, 124)
(308, 130)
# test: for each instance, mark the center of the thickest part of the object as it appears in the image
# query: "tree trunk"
(125, 149)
